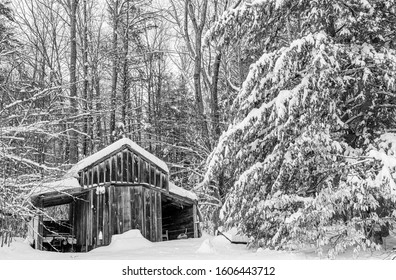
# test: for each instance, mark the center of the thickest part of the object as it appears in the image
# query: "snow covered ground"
(132, 246)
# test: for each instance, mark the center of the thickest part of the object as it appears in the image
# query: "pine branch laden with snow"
(308, 150)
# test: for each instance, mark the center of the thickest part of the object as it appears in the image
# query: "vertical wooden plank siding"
(91, 173)
(99, 218)
(157, 178)
(153, 220)
(108, 171)
(101, 177)
(148, 213)
(142, 172)
(113, 169)
(163, 181)
(135, 207)
(90, 219)
(139, 208)
(97, 174)
(128, 160)
(106, 235)
(94, 219)
(132, 156)
(147, 171)
(117, 207)
(132, 208)
(153, 175)
(139, 173)
(159, 216)
(142, 210)
(84, 214)
(110, 209)
(114, 219)
(121, 166)
(195, 221)
(127, 208)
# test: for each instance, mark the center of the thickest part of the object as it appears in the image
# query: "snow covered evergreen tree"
(311, 148)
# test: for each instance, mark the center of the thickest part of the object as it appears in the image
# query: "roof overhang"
(56, 193)
(57, 198)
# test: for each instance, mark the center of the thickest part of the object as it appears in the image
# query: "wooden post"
(195, 221)
(106, 227)
(40, 229)
(159, 216)
(90, 220)
(111, 197)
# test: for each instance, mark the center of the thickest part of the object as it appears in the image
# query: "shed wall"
(102, 212)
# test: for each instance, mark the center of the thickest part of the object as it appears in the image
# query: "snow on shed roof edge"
(181, 192)
(72, 183)
(56, 186)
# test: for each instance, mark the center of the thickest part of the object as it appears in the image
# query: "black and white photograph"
(224, 133)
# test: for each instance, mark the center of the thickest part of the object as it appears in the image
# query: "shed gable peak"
(112, 148)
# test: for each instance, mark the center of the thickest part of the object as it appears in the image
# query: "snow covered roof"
(56, 192)
(181, 192)
(56, 186)
(124, 142)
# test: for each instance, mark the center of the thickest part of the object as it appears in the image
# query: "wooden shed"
(119, 188)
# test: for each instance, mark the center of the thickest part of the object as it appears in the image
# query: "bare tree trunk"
(114, 70)
(214, 96)
(125, 82)
(150, 101)
(85, 100)
(73, 155)
(158, 115)
(198, 28)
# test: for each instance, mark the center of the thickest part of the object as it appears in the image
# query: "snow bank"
(111, 148)
(128, 241)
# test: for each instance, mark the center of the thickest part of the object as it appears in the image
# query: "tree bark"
(86, 82)
(125, 82)
(198, 29)
(73, 155)
(214, 97)
(114, 71)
